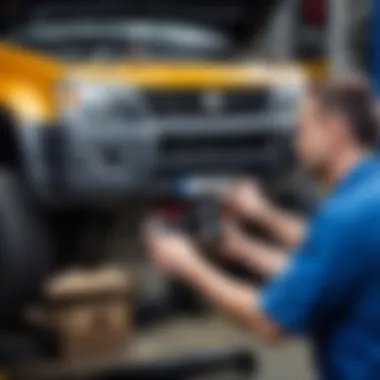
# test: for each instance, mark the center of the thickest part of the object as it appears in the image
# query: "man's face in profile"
(314, 140)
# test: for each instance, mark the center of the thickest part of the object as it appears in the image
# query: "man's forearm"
(286, 228)
(236, 299)
(261, 257)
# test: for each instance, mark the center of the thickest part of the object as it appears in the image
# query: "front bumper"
(78, 164)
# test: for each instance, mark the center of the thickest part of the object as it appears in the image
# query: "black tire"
(25, 257)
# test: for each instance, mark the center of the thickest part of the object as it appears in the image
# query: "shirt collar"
(362, 170)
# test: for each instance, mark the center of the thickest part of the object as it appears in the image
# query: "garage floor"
(290, 361)
(188, 335)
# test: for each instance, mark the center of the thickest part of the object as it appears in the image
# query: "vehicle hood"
(239, 19)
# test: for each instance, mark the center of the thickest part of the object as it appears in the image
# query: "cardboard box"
(88, 313)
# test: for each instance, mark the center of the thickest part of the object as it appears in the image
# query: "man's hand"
(247, 200)
(171, 251)
(261, 257)
(177, 255)
(233, 241)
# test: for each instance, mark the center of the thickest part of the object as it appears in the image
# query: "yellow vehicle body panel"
(29, 82)
(191, 74)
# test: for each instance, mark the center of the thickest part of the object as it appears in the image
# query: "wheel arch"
(10, 148)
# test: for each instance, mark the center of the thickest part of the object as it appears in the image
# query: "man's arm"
(285, 227)
(318, 283)
(266, 259)
(247, 201)
(236, 299)
(177, 255)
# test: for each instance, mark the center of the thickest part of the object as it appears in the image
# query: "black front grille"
(212, 154)
(203, 102)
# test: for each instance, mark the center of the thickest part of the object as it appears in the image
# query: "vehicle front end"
(157, 108)
(115, 138)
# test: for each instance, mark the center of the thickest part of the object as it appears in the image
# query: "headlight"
(99, 101)
(285, 98)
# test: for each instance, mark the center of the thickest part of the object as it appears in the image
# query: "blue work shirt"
(330, 290)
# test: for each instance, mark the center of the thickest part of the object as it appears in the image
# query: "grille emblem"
(213, 101)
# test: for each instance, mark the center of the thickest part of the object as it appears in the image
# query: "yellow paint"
(29, 82)
(191, 75)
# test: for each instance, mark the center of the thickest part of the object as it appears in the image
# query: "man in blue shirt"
(328, 288)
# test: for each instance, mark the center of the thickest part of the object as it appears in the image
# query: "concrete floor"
(180, 337)
(290, 361)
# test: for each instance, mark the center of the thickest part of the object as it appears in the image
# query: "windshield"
(114, 40)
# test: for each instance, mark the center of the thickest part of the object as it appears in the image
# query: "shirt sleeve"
(321, 279)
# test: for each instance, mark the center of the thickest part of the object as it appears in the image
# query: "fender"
(27, 84)
(22, 147)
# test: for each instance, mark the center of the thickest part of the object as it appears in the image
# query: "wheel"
(25, 257)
